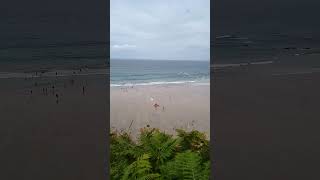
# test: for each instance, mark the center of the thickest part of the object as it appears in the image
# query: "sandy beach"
(183, 106)
(266, 120)
(53, 133)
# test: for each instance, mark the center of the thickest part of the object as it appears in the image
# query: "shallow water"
(155, 72)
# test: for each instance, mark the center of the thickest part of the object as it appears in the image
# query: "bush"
(157, 155)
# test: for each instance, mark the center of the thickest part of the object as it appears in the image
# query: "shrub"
(157, 155)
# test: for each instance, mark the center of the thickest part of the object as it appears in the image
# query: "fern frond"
(188, 164)
(159, 145)
(140, 169)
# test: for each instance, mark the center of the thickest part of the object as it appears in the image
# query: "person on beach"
(57, 98)
(156, 105)
(83, 90)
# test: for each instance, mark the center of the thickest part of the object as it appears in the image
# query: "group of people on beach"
(53, 87)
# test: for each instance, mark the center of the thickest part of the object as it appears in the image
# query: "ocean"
(157, 72)
(243, 48)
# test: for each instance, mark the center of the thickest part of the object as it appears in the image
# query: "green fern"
(187, 165)
(139, 169)
(157, 155)
(159, 145)
(205, 173)
(168, 171)
(194, 141)
(122, 150)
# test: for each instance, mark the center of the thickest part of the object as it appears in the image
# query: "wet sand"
(180, 106)
(45, 139)
(266, 121)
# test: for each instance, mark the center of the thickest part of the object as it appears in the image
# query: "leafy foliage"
(139, 169)
(157, 155)
(195, 141)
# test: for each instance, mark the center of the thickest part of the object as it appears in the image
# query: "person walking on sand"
(83, 90)
(57, 98)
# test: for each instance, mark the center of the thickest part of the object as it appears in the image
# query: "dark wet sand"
(41, 139)
(266, 127)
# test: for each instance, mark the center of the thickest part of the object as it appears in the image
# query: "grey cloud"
(160, 29)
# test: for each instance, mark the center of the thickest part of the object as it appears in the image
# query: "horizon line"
(151, 59)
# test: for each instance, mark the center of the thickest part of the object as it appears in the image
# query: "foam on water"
(157, 72)
(159, 83)
(60, 73)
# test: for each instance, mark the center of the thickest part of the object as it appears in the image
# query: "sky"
(38, 22)
(28, 28)
(266, 16)
(160, 29)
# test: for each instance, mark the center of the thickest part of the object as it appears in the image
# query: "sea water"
(156, 72)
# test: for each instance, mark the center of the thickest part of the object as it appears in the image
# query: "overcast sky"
(266, 17)
(160, 29)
